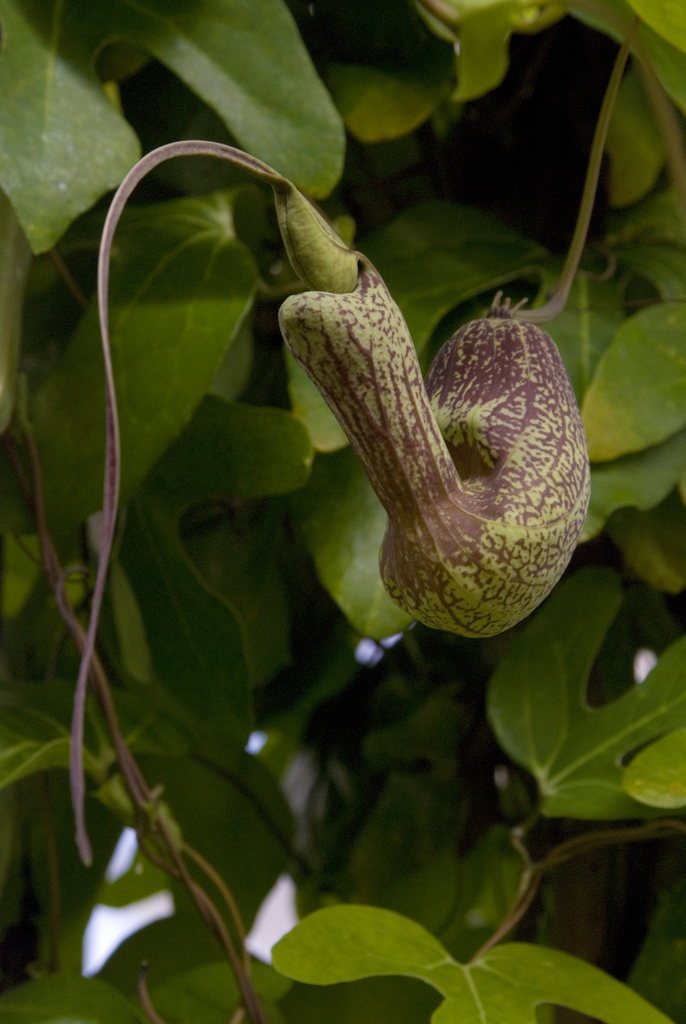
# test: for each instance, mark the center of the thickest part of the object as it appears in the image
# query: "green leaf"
(64, 144)
(235, 449)
(537, 707)
(483, 59)
(663, 265)
(342, 523)
(21, 755)
(361, 942)
(377, 105)
(667, 18)
(20, 572)
(67, 999)
(641, 480)
(228, 453)
(152, 723)
(667, 59)
(15, 260)
(209, 994)
(206, 995)
(230, 819)
(78, 885)
(30, 740)
(248, 62)
(344, 943)
(435, 255)
(235, 550)
(425, 893)
(128, 621)
(368, 1001)
(200, 629)
(308, 404)
(657, 775)
(34, 732)
(669, 62)
(403, 843)
(585, 327)
(133, 646)
(181, 283)
(652, 542)
(638, 395)
(484, 30)
(657, 219)
(634, 143)
(231, 810)
(194, 637)
(659, 972)
(489, 878)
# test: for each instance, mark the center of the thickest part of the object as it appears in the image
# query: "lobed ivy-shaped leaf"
(348, 942)
(537, 706)
(63, 143)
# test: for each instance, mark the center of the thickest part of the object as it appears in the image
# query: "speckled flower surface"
(482, 468)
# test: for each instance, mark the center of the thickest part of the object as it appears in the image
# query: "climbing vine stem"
(151, 826)
(533, 872)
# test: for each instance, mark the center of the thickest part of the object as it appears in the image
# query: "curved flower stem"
(321, 260)
(113, 456)
(556, 303)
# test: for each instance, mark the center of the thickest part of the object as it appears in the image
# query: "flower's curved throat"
(482, 468)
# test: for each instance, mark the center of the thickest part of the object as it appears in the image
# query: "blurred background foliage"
(245, 592)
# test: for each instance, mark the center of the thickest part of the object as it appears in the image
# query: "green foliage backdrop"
(478, 829)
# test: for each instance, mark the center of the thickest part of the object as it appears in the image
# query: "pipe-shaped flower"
(482, 469)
